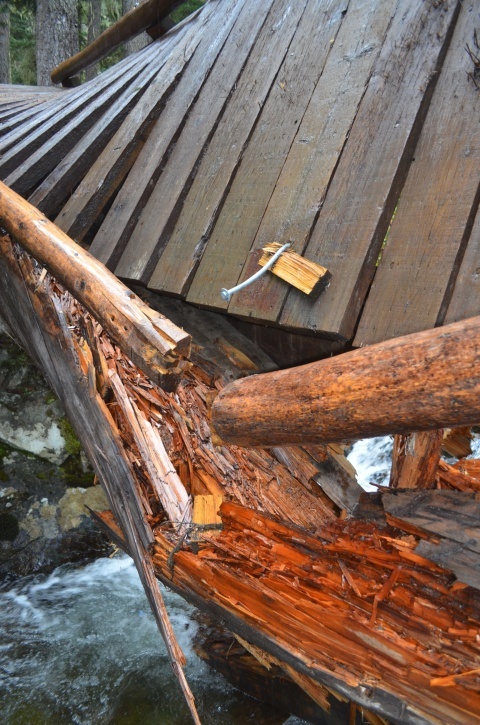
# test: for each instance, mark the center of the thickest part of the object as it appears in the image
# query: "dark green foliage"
(22, 42)
(188, 7)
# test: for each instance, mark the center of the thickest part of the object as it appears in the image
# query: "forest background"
(37, 35)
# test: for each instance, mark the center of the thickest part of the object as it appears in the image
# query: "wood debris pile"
(357, 605)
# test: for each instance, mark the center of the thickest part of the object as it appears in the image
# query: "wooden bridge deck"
(324, 122)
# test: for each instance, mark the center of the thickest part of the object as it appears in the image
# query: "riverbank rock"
(46, 483)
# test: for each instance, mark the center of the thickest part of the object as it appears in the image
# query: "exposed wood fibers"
(347, 598)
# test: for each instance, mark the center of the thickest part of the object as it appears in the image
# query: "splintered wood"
(389, 605)
(355, 601)
(309, 277)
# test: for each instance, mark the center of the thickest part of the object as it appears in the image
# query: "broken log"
(418, 382)
(140, 18)
(415, 459)
(148, 338)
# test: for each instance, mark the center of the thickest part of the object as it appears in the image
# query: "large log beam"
(422, 381)
(147, 337)
(146, 15)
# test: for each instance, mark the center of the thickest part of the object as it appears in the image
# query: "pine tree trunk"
(141, 40)
(4, 43)
(94, 29)
(57, 35)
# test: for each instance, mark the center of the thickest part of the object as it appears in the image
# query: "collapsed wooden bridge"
(328, 124)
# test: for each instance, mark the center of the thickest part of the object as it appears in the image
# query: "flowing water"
(80, 646)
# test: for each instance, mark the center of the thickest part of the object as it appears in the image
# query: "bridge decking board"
(254, 122)
(316, 148)
(257, 170)
(367, 182)
(212, 112)
(434, 215)
(465, 301)
(209, 213)
(140, 182)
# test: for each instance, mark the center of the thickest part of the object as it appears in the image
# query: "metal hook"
(226, 294)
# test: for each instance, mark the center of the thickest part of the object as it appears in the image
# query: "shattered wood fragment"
(415, 459)
(50, 311)
(457, 442)
(152, 341)
(309, 277)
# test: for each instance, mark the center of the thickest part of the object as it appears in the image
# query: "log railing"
(153, 342)
(148, 14)
(418, 382)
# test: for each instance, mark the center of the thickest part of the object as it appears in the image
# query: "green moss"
(50, 398)
(186, 9)
(73, 473)
(3, 476)
(4, 450)
(72, 444)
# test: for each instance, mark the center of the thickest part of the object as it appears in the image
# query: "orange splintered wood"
(146, 336)
(309, 277)
(418, 382)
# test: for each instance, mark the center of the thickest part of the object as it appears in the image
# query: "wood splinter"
(309, 277)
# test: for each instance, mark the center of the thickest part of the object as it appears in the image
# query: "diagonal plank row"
(253, 122)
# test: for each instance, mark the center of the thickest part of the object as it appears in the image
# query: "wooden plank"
(57, 111)
(465, 300)
(259, 167)
(42, 159)
(141, 17)
(422, 381)
(321, 135)
(454, 556)
(112, 165)
(435, 214)
(152, 84)
(364, 191)
(415, 459)
(453, 515)
(137, 262)
(115, 231)
(37, 153)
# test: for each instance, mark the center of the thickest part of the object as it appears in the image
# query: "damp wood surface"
(253, 123)
(433, 221)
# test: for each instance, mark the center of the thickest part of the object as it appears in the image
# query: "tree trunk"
(140, 41)
(418, 382)
(4, 42)
(94, 29)
(57, 35)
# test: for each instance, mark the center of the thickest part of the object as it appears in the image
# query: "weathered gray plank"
(57, 110)
(236, 127)
(73, 166)
(136, 262)
(435, 212)
(260, 165)
(110, 168)
(42, 159)
(214, 27)
(452, 515)
(364, 191)
(465, 300)
(315, 151)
